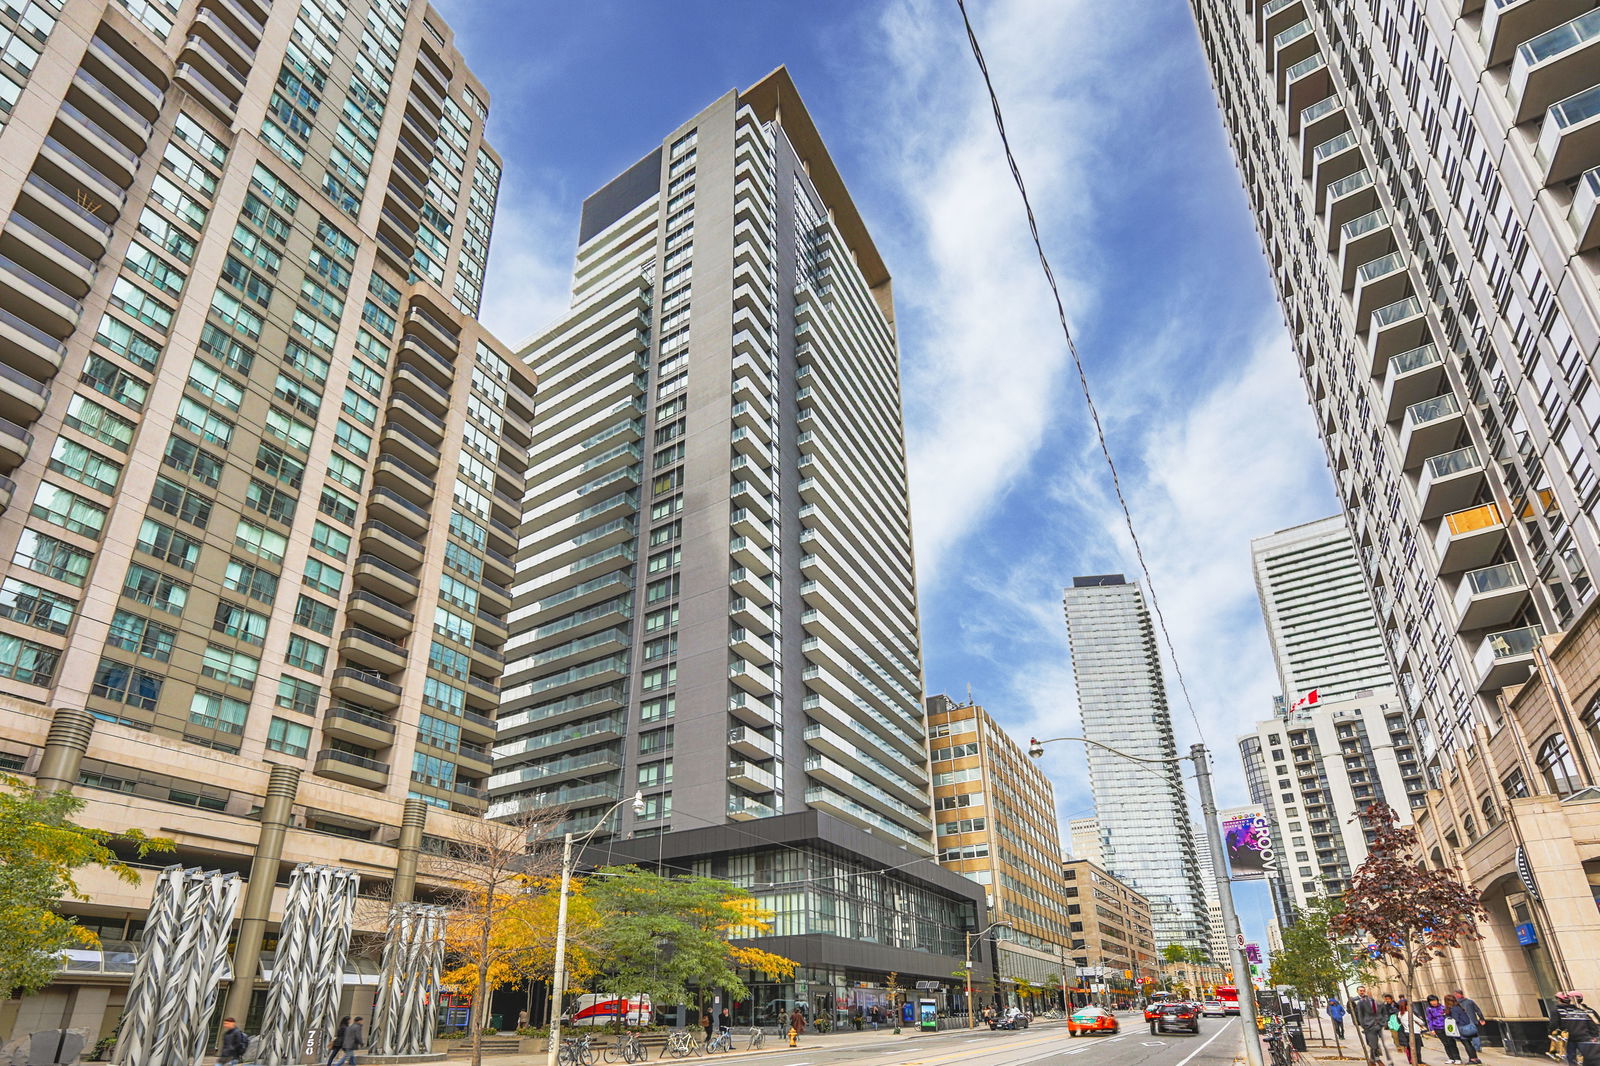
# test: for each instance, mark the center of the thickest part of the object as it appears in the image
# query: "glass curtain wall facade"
(1146, 833)
(716, 568)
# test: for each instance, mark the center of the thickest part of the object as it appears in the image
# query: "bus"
(1229, 995)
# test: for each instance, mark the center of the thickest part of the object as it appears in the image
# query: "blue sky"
(1111, 113)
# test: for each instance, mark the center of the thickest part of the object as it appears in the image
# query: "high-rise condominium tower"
(1147, 837)
(1320, 623)
(715, 598)
(262, 463)
(1424, 177)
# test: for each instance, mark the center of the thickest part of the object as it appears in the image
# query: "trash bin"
(1294, 1023)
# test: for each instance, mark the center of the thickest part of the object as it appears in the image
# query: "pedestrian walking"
(1371, 1019)
(233, 1045)
(351, 1041)
(1433, 1015)
(797, 1025)
(1472, 1029)
(1413, 1027)
(1336, 1016)
(337, 1043)
(705, 1023)
(522, 1019)
(1576, 1022)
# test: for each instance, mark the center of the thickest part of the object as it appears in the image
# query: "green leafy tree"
(41, 851)
(658, 935)
(1314, 960)
(1404, 911)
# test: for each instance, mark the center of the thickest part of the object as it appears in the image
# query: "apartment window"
(455, 591)
(101, 423)
(462, 561)
(661, 589)
(293, 432)
(1555, 762)
(326, 539)
(68, 510)
(190, 458)
(125, 684)
(665, 560)
(130, 632)
(240, 622)
(665, 534)
(167, 544)
(323, 577)
(338, 506)
(230, 667)
(306, 654)
(155, 589)
(664, 618)
(44, 554)
(661, 648)
(658, 709)
(665, 508)
(297, 695)
(252, 580)
(204, 422)
(84, 465)
(443, 695)
(314, 614)
(214, 385)
(27, 662)
(35, 606)
(274, 462)
(447, 660)
(350, 437)
(291, 738)
(656, 774)
(128, 342)
(270, 501)
(174, 499)
(260, 541)
(656, 740)
(297, 394)
(108, 379)
(232, 351)
(212, 710)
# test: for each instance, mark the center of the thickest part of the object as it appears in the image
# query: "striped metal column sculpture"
(183, 958)
(413, 956)
(308, 967)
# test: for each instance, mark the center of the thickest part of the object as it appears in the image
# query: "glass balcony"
(1555, 64)
(1411, 377)
(1584, 217)
(1569, 141)
(1505, 657)
(1395, 328)
(1491, 596)
(1470, 538)
(1449, 482)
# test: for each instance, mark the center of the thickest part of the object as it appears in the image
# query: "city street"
(1046, 1043)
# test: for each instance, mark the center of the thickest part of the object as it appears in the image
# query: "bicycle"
(723, 1041)
(1283, 1052)
(626, 1047)
(758, 1037)
(681, 1044)
(576, 1051)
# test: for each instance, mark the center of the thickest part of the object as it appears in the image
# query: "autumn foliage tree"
(501, 881)
(1404, 911)
(658, 935)
(41, 851)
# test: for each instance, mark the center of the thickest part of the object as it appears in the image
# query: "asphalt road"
(1044, 1044)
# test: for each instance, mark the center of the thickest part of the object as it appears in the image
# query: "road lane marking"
(1202, 1047)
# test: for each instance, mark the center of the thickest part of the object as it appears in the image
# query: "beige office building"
(1113, 942)
(995, 821)
(261, 462)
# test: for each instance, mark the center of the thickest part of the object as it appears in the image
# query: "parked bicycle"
(1283, 1052)
(576, 1051)
(681, 1043)
(627, 1048)
(758, 1037)
(723, 1041)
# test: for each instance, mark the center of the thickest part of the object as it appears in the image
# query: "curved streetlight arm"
(1036, 749)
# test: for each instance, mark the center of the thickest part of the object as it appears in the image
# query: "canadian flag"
(1310, 699)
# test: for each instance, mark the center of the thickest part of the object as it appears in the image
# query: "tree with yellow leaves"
(41, 850)
(658, 935)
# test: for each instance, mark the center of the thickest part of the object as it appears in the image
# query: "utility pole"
(1230, 920)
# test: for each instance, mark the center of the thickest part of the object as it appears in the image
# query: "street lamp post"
(558, 980)
(970, 935)
(1230, 920)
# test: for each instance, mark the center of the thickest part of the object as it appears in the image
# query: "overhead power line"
(1077, 360)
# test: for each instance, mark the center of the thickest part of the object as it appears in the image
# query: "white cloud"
(530, 259)
(984, 353)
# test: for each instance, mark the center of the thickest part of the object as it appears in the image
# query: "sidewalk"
(1432, 1054)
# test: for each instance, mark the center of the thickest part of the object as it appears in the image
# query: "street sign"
(1241, 940)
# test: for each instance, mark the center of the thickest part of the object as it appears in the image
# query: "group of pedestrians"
(1575, 1031)
(1455, 1022)
(347, 1040)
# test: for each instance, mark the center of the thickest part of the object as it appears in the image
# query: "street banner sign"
(1248, 841)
